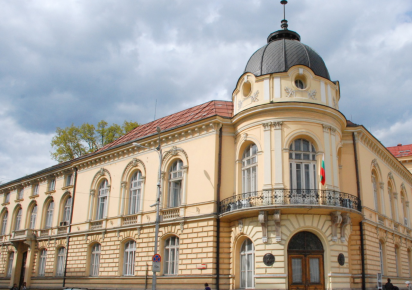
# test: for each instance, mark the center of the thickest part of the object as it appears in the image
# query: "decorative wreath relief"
(290, 93)
(254, 98)
(312, 94)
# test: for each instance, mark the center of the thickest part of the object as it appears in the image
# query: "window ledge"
(67, 187)
(33, 196)
(50, 192)
(6, 203)
(18, 200)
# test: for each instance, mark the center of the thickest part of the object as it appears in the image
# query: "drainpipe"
(360, 209)
(70, 227)
(219, 177)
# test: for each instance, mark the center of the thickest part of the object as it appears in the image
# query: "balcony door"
(305, 262)
(303, 173)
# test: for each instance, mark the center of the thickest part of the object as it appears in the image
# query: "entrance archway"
(305, 262)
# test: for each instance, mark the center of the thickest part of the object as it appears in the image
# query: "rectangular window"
(7, 199)
(397, 261)
(69, 179)
(60, 261)
(20, 193)
(36, 189)
(52, 184)
(381, 257)
(10, 265)
(101, 210)
(296, 270)
(42, 262)
(314, 270)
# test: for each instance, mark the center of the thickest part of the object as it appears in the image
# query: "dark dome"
(283, 51)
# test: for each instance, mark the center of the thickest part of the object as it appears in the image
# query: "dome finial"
(284, 22)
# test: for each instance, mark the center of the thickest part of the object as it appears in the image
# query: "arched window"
(247, 264)
(302, 166)
(67, 210)
(95, 260)
(129, 258)
(42, 262)
(175, 183)
(33, 217)
(4, 223)
(171, 256)
(102, 200)
(61, 258)
(397, 261)
(49, 215)
(249, 169)
(18, 219)
(10, 264)
(135, 192)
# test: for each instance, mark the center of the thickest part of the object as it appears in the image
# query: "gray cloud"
(82, 61)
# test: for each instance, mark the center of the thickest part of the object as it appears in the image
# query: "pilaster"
(328, 175)
(277, 126)
(267, 156)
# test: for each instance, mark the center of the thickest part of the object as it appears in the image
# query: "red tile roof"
(401, 150)
(197, 113)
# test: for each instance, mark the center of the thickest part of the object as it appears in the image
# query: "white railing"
(129, 220)
(19, 233)
(170, 213)
(96, 225)
(62, 230)
(44, 233)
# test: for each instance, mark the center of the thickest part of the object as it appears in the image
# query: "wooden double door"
(305, 262)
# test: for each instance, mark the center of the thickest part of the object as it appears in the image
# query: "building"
(242, 203)
(403, 153)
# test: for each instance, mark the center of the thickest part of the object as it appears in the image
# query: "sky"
(76, 61)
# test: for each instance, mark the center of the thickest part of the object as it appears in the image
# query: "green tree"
(72, 142)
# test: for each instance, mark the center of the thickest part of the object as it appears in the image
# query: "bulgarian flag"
(322, 171)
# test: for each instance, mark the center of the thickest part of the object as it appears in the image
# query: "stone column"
(91, 201)
(123, 198)
(29, 263)
(143, 178)
(184, 191)
(278, 155)
(267, 182)
(334, 160)
(328, 175)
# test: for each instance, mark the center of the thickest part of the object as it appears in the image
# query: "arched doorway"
(305, 262)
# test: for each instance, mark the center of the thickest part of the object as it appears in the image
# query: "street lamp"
(157, 204)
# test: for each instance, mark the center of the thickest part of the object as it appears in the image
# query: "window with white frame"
(69, 179)
(35, 189)
(302, 166)
(171, 256)
(249, 169)
(175, 183)
(135, 192)
(33, 217)
(247, 264)
(61, 258)
(129, 258)
(95, 260)
(381, 257)
(7, 198)
(102, 200)
(42, 262)
(10, 264)
(49, 215)
(67, 210)
(18, 219)
(52, 184)
(4, 223)
(20, 193)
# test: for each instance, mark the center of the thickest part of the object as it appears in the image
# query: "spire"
(284, 22)
(283, 33)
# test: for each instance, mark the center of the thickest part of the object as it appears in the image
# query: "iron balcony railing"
(275, 197)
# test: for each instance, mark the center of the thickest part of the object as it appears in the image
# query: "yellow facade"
(218, 202)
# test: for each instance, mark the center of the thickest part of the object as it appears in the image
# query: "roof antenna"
(154, 118)
(284, 22)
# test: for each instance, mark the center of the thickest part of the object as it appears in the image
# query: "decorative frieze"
(336, 219)
(263, 220)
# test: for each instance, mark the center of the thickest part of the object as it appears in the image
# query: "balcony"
(129, 220)
(171, 213)
(286, 197)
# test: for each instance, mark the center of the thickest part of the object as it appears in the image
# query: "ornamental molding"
(277, 125)
(336, 219)
(290, 93)
(346, 220)
(278, 230)
(326, 128)
(312, 94)
(263, 220)
(384, 155)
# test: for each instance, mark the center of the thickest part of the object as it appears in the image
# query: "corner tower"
(285, 70)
